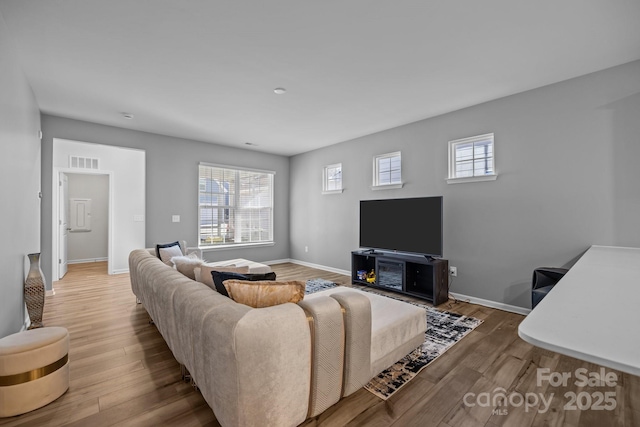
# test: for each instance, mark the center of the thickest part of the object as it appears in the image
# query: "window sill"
(472, 179)
(234, 246)
(387, 186)
(333, 191)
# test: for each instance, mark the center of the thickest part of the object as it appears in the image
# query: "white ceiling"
(206, 69)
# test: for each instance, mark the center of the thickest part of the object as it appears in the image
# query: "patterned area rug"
(444, 329)
(317, 285)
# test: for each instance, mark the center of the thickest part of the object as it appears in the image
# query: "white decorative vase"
(34, 291)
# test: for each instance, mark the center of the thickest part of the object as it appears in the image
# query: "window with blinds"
(472, 159)
(235, 206)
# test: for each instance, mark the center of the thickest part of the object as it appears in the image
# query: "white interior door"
(63, 205)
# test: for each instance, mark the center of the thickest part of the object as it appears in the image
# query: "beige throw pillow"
(203, 273)
(265, 293)
(187, 264)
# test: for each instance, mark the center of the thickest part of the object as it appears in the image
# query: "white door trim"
(63, 227)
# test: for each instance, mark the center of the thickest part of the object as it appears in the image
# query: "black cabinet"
(421, 277)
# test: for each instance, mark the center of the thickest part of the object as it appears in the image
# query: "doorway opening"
(83, 214)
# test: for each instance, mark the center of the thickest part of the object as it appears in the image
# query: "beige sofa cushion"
(327, 352)
(265, 293)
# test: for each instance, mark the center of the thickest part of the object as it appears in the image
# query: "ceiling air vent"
(77, 162)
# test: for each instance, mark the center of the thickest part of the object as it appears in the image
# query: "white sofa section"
(397, 328)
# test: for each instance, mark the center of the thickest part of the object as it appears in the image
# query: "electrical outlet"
(306, 248)
(453, 271)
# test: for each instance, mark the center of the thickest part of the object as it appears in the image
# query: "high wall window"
(235, 206)
(387, 170)
(472, 159)
(332, 179)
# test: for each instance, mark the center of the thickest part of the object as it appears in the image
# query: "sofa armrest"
(255, 365)
(357, 347)
(327, 352)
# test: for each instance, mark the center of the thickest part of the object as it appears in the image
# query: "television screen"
(405, 225)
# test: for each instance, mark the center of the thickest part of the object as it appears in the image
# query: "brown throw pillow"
(265, 293)
(204, 275)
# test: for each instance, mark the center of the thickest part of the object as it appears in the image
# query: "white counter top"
(593, 313)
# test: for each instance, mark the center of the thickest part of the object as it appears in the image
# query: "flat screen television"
(405, 225)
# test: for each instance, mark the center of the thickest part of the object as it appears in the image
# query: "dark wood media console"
(408, 274)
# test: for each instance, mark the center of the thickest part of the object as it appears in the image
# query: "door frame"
(55, 217)
(62, 176)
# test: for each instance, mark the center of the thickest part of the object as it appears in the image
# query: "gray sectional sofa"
(279, 365)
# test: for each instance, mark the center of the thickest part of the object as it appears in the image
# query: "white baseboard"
(121, 271)
(276, 261)
(492, 304)
(88, 260)
(321, 267)
(48, 293)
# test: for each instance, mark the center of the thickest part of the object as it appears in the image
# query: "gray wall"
(172, 183)
(567, 158)
(20, 177)
(90, 245)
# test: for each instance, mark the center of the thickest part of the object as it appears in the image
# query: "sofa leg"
(186, 376)
(138, 301)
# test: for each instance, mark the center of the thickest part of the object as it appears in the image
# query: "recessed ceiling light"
(127, 116)
(279, 90)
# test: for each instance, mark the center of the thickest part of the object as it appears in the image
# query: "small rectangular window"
(387, 170)
(332, 179)
(472, 159)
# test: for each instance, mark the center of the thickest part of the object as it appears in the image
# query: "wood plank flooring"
(122, 372)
